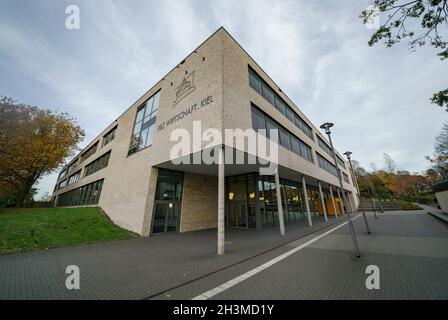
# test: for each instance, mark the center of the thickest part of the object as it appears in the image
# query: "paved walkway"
(410, 248)
(138, 268)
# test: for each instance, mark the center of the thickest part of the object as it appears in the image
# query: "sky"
(316, 51)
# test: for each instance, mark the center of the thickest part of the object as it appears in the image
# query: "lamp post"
(347, 154)
(326, 126)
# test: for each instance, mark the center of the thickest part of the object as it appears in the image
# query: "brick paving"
(409, 248)
(137, 268)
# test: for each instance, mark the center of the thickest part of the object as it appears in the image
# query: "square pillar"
(221, 200)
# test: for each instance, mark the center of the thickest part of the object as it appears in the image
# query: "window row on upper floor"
(259, 85)
(94, 166)
(261, 121)
(327, 165)
(107, 138)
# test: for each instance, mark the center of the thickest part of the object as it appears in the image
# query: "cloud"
(316, 52)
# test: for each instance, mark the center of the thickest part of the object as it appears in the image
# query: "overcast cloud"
(316, 51)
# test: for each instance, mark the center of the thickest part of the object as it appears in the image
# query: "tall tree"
(33, 142)
(419, 21)
(391, 167)
(440, 158)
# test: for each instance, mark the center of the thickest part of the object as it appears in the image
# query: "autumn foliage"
(33, 142)
(391, 183)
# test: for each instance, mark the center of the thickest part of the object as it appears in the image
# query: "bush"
(404, 205)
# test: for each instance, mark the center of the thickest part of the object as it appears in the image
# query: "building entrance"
(167, 203)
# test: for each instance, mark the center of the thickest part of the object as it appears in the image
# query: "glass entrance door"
(167, 203)
(237, 214)
(166, 216)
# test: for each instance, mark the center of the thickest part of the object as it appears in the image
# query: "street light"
(326, 126)
(347, 154)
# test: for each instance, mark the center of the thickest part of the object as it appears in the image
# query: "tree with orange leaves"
(33, 142)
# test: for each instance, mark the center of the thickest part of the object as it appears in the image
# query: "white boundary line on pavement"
(209, 294)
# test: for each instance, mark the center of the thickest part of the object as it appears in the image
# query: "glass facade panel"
(275, 100)
(74, 177)
(326, 165)
(145, 123)
(108, 137)
(254, 81)
(82, 196)
(251, 193)
(280, 105)
(97, 164)
(89, 152)
(284, 138)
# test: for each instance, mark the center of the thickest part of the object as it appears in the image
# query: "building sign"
(185, 88)
(187, 112)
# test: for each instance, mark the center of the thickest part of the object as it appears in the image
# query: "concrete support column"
(221, 199)
(323, 201)
(352, 204)
(307, 205)
(341, 202)
(258, 216)
(279, 204)
(334, 204)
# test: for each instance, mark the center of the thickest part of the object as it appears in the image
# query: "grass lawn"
(41, 228)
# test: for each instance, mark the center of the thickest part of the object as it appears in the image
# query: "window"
(341, 162)
(62, 184)
(305, 151)
(63, 172)
(271, 125)
(290, 114)
(86, 154)
(254, 81)
(74, 177)
(345, 177)
(295, 145)
(145, 122)
(280, 105)
(72, 165)
(275, 100)
(85, 195)
(285, 138)
(267, 92)
(327, 165)
(97, 164)
(108, 137)
(258, 120)
(324, 146)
